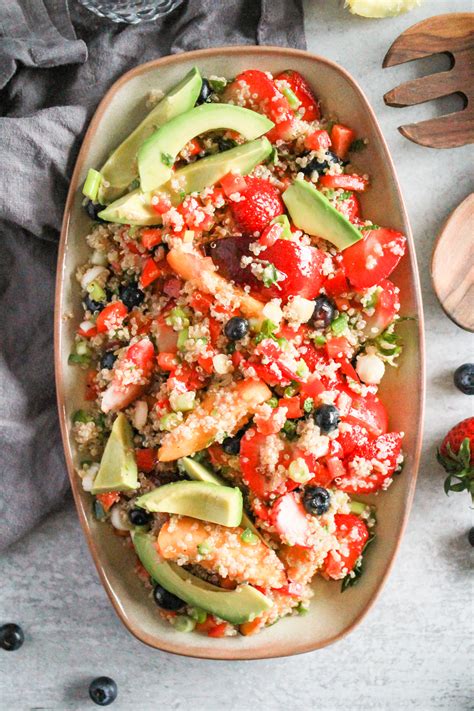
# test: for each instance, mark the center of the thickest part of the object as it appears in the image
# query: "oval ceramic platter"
(332, 614)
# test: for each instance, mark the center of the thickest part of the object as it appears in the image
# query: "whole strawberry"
(259, 203)
(456, 454)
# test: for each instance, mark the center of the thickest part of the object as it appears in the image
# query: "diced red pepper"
(293, 407)
(215, 328)
(341, 137)
(108, 499)
(233, 183)
(160, 204)
(139, 324)
(345, 182)
(206, 363)
(237, 358)
(337, 348)
(151, 271)
(319, 140)
(146, 459)
(111, 317)
(167, 361)
(201, 302)
(151, 237)
(194, 147)
(87, 329)
(336, 283)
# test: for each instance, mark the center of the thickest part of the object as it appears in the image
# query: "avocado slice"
(135, 207)
(198, 472)
(118, 468)
(312, 212)
(243, 604)
(121, 167)
(157, 154)
(199, 499)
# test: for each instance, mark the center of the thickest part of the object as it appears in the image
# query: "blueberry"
(92, 209)
(92, 305)
(108, 359)
(139, 517)
(231, 445)
(11, 637)
(320, 166)
(131, 295)
(470, 536)
(464, 378)
(205, 92)
(327, 418)
(167, 600)
(316, 500)
(103, 690)
(236, 328)
(324, 312)
(225, 144)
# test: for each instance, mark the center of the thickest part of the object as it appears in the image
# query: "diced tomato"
(293, 407)
(292, 589)
(146, 459)
(255, 473)
(367, 412)
(289, 518)
(151, 271)
(352, 534)
(319, 140)
(336, 283)
(269, 425)
(371, 465)
(92, 390)
(206, 363)
(270, 235)
(87, 329)
(346, 182)
(139, 323)
(386, 308)
(338, 347)
(237, 358)
(349, 207)
(233, 183)
(300, 269)
(111, 317)
(142, 355)
(374, 257)
(351, 438)
(262, 95)
(166, 336)
(309, 106)
(272, 352)
(187, 377)
(213, 629)
(215, 329)
(108, 499)
(194, 147)
(335, 467)
(341, 137)
(321, 474)
(151, 237)
(348, 369)
(201, 302)
(167, 361)
(160, 203)
(312, 388)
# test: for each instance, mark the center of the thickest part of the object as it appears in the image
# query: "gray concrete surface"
(414, 651)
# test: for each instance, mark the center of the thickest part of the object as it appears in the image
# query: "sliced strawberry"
(300, 269)
(374, 257)
(352, 535)
(337, 283)
(370, 466)
(257, 473)
(309, 106)
(341, 137)
(259, 203)
(317, 141)
(367, 412)
(345, 182)
(352, 438)
(166, 336)
(349, 207)
(255, 90)
(111, 317)
(290, 520)
(139, 360)
(386, 307)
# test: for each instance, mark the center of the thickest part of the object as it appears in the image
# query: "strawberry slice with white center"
(131, 375)
(371, 466)
(290, 520)
(374, 257)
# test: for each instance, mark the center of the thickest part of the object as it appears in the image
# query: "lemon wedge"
(381, 8)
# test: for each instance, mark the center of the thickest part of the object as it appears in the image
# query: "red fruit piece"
(258, 472)
(341, 137)
(259, 203)
(456, 455)
(309, 106)
(352, 438)
(349, 207)
(367, 412)
(386, 307)
(146, 459)
(345, 182)
(111, 317)
(300, 266)
(290, 520)
(255, 90)
(374, 257)
(352, 535)
(371, 465)
(318, 140)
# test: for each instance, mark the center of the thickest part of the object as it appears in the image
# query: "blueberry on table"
(131, 295)
(93, 209)
(205, 92)
(11, 637)
(327, 418)
(108, 359)
(236, 328)
(139, 517)
(324, 312)
(464, 378)
(103, 690)
(166, 600)
(316, 500)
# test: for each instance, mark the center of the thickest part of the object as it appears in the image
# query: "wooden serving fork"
(452, 34)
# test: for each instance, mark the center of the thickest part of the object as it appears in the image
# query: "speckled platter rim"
(287, 646)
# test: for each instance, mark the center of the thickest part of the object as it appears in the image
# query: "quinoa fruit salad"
(238, 320)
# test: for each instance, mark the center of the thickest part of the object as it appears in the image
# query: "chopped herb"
(182, 338)
(308, 405)
(76, 359)
(167, 159)
(301, 609)
(205, 548)
(358, 145)
(273, 402)
(82, 416)
(290, 390)
(249, 537)
(289, 428)
(339, 324)
(345, 195)
(320, 340)
(271, 275)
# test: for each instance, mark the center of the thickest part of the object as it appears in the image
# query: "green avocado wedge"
(135, 207)
(198, 499)
(243, 604)
(158, 153)
(312, 212)
(118, 468)
(121, 167)
(198, 472)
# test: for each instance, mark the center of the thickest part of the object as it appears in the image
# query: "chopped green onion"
(249, 537)
(293, 100)
(339, 324)
(302, 369)
(183, 623)
(285, 223)
(289, 428)
(170, 420)
(290, 390)
(167, 159)
(320, 340)
(299, 471)
(178, 318)
(308, 404)
(271, 275)
(82, 416)
(205, 548)
(75, 359)
(217, 85)
(96, 292)
(92, 184)
(82, 348)
(197, 614)
(301, 609)
(357, 507)
(273, 402)
(184, 401)
(182, 338)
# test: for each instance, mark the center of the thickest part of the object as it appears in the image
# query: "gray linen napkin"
(53, 72)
